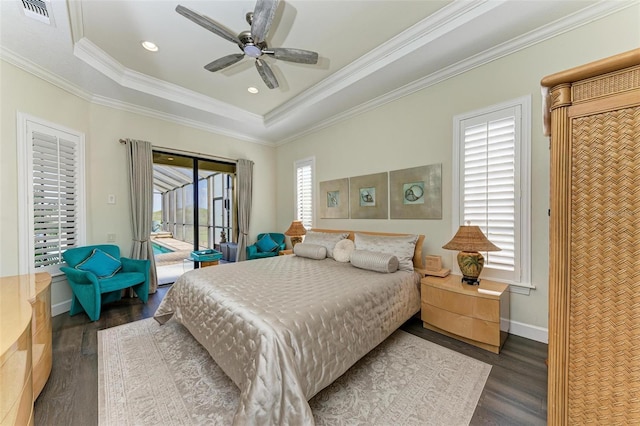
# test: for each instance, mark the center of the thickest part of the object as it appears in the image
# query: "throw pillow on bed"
(101, 264)
(311, 251)
(266, 243)
(401, 247)
(342, 250)
(327, 239)
(374, 261)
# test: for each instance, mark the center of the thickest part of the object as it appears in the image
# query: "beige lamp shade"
(470, 241)
(296, 231)
(470, 238)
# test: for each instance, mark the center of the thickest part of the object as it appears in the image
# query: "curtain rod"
(189, 153)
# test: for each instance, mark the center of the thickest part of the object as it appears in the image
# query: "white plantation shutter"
(488, 199)
(492, 157)
(304, 192)
(55, 198)
(52, 165)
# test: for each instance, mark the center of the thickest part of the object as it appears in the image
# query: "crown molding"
(424, 32)
(35, 69)
(98, 59)
(75, 20)
(553, 29)
(152, 113)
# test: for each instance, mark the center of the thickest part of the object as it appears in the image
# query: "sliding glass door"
(216, 224)
(194, 209)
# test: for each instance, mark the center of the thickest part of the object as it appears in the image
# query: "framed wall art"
(416, 193)
(334, 199)
(368, 196)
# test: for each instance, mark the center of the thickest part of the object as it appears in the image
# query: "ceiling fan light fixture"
(253, 90)
(150, 46)
(252, 51)
(253, 43)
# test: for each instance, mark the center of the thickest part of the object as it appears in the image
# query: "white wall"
(106, 162)
(417, 130)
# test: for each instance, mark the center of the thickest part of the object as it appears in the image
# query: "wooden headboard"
(417, 254)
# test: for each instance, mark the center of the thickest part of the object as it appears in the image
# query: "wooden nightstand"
(285, 252)
(463, 312)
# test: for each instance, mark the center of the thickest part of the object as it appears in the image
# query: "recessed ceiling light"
(150, 46)
(252, 89)
(170, 158)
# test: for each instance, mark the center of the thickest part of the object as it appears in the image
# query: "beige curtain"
(140, 158)
(244, 171)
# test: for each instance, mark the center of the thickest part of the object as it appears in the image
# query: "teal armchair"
(97, 275)
(267, 245)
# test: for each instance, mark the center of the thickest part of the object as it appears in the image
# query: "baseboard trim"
(529, 331)
(60, 308)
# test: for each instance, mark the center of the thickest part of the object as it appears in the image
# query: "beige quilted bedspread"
(284, 328)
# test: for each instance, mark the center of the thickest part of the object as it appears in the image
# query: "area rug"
(160, 375)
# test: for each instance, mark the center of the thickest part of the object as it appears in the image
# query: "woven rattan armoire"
(594, 283)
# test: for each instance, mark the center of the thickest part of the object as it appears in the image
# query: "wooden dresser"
(594, 267)
(466, 313)
(25, 344)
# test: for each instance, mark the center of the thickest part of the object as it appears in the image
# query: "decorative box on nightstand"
(478, 315)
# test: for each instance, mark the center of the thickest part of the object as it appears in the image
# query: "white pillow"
(311, 251)
(342, 250)
(374, 261)
(327, 239)
(402, 247)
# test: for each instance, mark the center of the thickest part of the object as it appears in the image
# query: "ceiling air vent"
(38, 10)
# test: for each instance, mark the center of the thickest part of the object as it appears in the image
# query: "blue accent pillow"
(101, 264)
(266, 243)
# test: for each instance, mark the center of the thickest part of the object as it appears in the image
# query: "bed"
(284, 328)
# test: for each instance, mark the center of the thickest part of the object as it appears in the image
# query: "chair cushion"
(120, 281)
(101, 264)
(262, 254)
(266, 244)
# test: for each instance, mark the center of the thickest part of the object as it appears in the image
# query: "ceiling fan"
(253, 43)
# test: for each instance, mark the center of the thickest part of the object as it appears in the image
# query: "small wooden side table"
(478, 315)
(285, 252)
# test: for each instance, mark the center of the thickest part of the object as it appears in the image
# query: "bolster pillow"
(311, 251)
(374, 261)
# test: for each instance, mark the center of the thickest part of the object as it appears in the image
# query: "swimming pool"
(158, 249)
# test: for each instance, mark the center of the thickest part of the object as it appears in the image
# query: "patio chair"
(97, 275)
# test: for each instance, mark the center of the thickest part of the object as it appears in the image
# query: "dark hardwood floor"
(515, 393)
(516, 390)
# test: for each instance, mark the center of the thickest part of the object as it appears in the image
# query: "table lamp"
(296, 231)
(470, 241)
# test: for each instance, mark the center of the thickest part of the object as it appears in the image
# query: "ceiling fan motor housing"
(249, 47)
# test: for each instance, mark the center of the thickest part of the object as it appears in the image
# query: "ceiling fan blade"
(263, 15)
(224, 62)
(294, 55)
(267, 75)
(208, 23)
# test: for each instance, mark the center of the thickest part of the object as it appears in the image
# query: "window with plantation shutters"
(304, 191)
(52, 200)
(491, 185)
